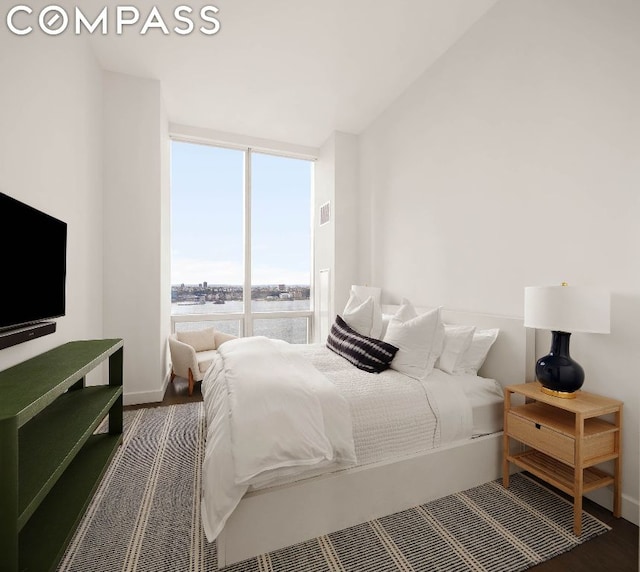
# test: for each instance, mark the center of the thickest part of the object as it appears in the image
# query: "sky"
(207, 216)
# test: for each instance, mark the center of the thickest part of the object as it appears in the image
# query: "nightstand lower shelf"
(558, 474)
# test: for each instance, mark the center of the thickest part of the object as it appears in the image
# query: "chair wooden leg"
(191, 382)
(173, 376)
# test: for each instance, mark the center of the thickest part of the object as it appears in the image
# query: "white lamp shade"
(567, 309)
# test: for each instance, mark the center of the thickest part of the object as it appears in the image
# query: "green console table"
(51, 458)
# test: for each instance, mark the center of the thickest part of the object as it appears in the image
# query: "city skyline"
(206, 284)
(220, 293)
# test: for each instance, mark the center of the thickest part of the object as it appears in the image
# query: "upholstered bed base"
(280, 516)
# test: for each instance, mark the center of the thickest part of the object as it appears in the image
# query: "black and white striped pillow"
(367, 354)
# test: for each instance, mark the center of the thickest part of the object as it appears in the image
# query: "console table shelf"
(42, 545)
(51, 440)
(52, 457)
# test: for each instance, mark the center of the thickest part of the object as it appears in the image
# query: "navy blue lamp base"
(559, 375)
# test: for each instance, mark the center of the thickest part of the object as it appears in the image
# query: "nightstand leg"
(617, 504)
(578, 476)
(577, 510)
(505, 441)
(617, 468)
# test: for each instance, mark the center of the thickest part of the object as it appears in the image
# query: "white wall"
(136, 203)
(324, 172)
(165, 242)
(93, 150)
(51, 158)
(514, 162)
(345, 213)
(336, 243)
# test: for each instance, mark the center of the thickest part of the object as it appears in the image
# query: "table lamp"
(563, 310)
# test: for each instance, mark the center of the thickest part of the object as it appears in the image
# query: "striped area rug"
(145, 517)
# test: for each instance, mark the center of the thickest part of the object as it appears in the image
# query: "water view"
(293, 330)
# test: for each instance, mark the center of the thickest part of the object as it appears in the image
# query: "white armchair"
(192, 353)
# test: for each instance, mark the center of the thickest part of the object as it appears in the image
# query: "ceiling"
(290, 70)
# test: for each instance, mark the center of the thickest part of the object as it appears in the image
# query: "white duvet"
(270, 413)
(277, 413)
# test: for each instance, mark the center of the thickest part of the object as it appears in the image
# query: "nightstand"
(565, 439)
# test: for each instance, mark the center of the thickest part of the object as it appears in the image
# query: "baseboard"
(630, 507)
(139, 397)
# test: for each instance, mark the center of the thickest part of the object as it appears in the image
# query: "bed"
(401, 455)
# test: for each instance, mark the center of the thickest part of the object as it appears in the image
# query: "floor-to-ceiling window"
(241, 241)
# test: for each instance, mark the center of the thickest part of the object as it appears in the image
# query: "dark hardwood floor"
(614, 551)
(177, 392)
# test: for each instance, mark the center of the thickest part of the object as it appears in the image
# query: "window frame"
(247, 316)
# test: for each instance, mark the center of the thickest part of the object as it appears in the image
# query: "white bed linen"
(269, 412)
(303, 420)
(393, 416)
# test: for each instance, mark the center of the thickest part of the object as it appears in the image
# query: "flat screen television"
(33, 265)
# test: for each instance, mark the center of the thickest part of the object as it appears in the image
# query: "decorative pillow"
(415, 336)
(367, 354)
(457, 340)
(475, 356)
(358, 314)
(199, 340)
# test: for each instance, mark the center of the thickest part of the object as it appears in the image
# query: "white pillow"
(386, 318)
(414, 336)
(438, 341)
(364, 292)
(437, 346)
(475, 356)
(199, 340)
(359, 314)
(457, 340)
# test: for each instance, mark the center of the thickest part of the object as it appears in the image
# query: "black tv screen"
(33, 264)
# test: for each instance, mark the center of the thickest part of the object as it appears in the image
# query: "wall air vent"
(325, 213)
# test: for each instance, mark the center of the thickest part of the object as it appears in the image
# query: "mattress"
(395, 416)
(486, 398)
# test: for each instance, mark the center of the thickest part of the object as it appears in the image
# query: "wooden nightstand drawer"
(552, 431)
(542, 437)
